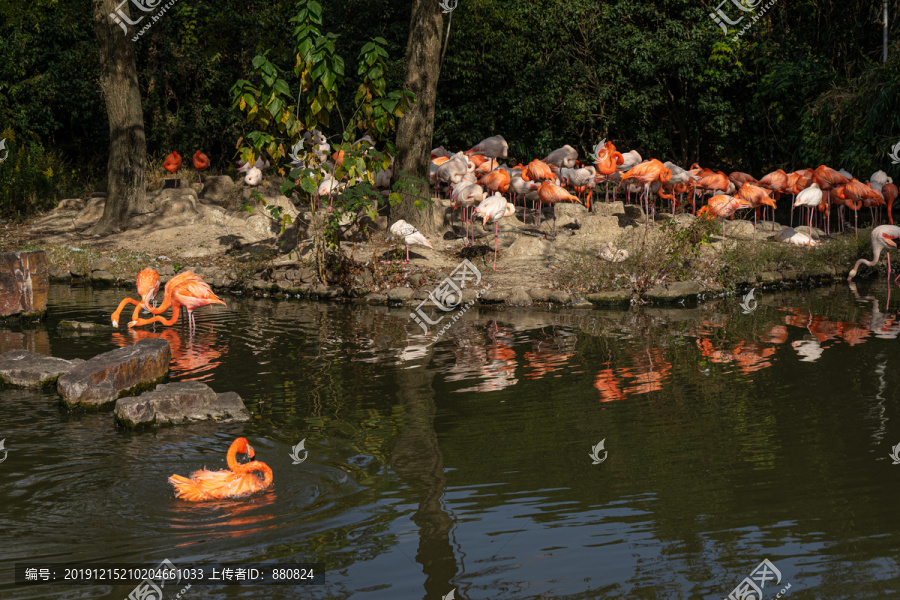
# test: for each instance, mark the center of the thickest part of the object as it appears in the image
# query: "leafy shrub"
(32, 180)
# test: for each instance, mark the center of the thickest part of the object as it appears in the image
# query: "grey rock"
(101, 264)
(183, 402)
(217, 188)
(540, 295)
(401, 293)
(768, 277)
(582, 303)
(494, 296)
(613, 298)
(82, 326)
(415, 279)
(790, 275)
(374, 298)
(28, 369)
(59, 273)
(104, 276)
(675, 292)
(307, 275)
(518, 297)
(98, 382)
(559, 297)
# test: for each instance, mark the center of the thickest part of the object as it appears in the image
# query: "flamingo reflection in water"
(648, 372)
(197, 357)
(493, 362)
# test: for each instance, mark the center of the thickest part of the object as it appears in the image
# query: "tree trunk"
(125, 193)
(415, 129)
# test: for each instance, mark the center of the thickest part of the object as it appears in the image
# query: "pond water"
(465, 465)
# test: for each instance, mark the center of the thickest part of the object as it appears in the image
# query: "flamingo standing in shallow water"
(410, 235)
(191, 294)
(147, 286)
(172, 164)
(238, 481)
(883, 238)
(201, 162)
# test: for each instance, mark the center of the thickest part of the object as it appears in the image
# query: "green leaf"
(309, 185)
(282, 87)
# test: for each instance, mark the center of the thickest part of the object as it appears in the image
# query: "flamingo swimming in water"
(147, 286)
(239, 480)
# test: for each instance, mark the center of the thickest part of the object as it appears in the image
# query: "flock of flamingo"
(477, 184)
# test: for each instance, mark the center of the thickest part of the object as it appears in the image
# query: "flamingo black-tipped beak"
(889, 241)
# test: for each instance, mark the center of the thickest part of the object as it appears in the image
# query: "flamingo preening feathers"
(172, 164)
(410, 236)
(201, 162)
(238, 481)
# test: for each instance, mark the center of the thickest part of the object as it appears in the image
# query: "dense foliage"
(804, 85)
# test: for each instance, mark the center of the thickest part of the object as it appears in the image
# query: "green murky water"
(465, 465)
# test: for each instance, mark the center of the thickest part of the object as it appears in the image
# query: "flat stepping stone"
(178, 403)
(28, 369)
(122, 372)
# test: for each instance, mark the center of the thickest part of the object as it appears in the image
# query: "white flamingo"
(491, 210)
(811, 197)
(410, 236)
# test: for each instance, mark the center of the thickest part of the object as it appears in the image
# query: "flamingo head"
(147, 285)
(244, 447)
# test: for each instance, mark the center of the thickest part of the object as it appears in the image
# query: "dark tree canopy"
(804, 85)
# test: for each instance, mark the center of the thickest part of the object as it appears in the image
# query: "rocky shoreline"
(297, 282)
(199, 227)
